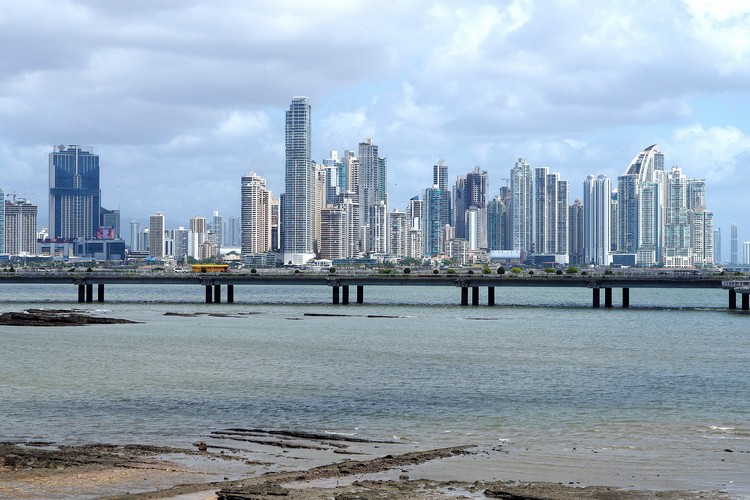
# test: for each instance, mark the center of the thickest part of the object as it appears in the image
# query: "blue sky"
(180, 98)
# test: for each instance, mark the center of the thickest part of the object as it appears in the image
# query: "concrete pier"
(345, 295)
(490, 295)
(596, 298)
(230, 294)
(745, 301)
(360, 294)
(81, 293)
(209, 294)
(217, 294)
(336, 293)
(625, 298)
(464, 295)
(100, 292)
(90, 292)
(475, 296)
(608, 298)
(732, 299)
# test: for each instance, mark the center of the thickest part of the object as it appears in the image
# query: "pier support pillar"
(230, 294)
(89, 292)
(81, 293)
(608, 297)
(745, 302)
(217, 294)
(490, 295)
(596, 298)
(345, 298)
(732, 299)
(475, 296)
(100, 292)
(335, 295)
(209, 294)
(464, 296)
(360, 294)
(625, 298)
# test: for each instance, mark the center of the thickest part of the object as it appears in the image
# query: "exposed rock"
(55, 317)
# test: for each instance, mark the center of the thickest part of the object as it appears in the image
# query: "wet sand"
(238, 464)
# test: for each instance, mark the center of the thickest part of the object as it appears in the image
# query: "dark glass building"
(74, 194)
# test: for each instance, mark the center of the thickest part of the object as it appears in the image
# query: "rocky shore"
(43, 470)
(55, 317)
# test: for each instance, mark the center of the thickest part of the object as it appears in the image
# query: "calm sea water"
(665, 383)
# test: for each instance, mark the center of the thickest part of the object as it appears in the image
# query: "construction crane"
(15, 194)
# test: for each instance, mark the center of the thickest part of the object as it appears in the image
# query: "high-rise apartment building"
(746, 253)
(297, 209)
(576, 224)
(217, 227)
(156, 226)
(597, 193)
(333, 226)
(550, 214)
(398, 233)
(20, 227)
(469, 191)
(74, 194)
(256, 216)
(733, 247)
(372, 197)
(2, 222)
(498, 237)
(197, 235)
(521, 184)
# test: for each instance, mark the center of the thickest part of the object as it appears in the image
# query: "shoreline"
(270, 464)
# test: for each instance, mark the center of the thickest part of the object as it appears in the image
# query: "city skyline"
(475, 84)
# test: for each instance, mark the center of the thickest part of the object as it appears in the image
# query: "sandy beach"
(253, 463)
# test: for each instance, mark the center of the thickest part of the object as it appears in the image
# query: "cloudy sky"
(180, 98)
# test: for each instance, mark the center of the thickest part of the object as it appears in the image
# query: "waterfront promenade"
(469, 285)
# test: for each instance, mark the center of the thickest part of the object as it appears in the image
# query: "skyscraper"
(135, 240)
(2, 222)
(156, 236)
(717, 246)
(576, 232)
(255, 216)
(74, 194)
(469, 191)
(597, 193)
(218, 228)
(550, 214)
(733, 247)
(296, 227)
(20, 227)
(521, 182)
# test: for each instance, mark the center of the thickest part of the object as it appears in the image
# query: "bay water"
(613, 396)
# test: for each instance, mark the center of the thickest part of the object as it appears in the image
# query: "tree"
(501, 270)
(549, 270)
(572, 270)
(516, 270)
(407, 270)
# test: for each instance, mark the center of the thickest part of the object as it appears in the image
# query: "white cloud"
(719, 154)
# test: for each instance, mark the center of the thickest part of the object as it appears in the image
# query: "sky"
(180, 98)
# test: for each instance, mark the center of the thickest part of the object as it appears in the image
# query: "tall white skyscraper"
(733, 246)
(297, 209)
(255, 215)
(597, 193)
(521, 182)
(156, 236)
